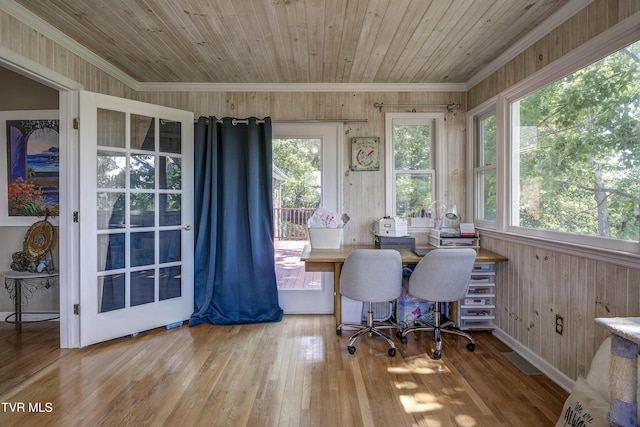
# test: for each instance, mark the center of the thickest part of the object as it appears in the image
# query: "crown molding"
(550, 24)
(303, 87)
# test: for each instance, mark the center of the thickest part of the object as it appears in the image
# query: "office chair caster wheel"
(392, 352)
(338, 331)
(437, 354)
(351, 349)
(403, 340)
(471, 346)
(399, 334)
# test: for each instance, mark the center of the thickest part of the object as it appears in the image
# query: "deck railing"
(291, 223)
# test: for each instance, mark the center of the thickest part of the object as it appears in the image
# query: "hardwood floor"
(293, 373)
(24, 355)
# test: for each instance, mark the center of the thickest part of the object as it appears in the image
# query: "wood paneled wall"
(597, 17)
(363, 192)
(31, 44)
(537, 283)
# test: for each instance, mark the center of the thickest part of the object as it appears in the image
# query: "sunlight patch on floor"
(406, 385)
(463, 420)
(419, 403)
(420, 366)
(410, 370)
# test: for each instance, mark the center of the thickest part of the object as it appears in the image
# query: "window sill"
(623, 258)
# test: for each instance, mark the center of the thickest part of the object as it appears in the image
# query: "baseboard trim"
(550, 371)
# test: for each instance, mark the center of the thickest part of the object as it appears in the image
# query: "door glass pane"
(142, 133)
(170, 209)
(170, 282)
(111, 292)
(170, 136)
(111, 128)
(142, 287)
(112, 169)
(170, 246)
(143, 171)
(142, 210)
(170, 170)
(111, 251)
(296, 194)
(142, 248)
(111, 210)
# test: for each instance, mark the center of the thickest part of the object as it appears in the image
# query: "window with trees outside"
(486, 167)
(575, 152)
(410, 163)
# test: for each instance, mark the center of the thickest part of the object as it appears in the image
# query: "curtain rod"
(449, 107)
(246, 121)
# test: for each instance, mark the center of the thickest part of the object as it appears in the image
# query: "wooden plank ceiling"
(303, 41)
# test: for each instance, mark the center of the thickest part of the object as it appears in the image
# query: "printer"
(390, 227)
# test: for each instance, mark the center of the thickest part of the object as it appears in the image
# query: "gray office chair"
(371, 276)
(441, 276)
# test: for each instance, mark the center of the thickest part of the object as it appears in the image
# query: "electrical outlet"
(559, 324)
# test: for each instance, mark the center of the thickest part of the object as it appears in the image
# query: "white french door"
(316, 298)
(135, 215)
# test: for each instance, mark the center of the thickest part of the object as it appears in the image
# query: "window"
(410, 162)
(485, 169)
(575, 152)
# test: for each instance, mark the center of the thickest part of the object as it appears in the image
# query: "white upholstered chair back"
(372, 275)
(443, 274)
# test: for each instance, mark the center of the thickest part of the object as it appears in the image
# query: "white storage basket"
(381, 311)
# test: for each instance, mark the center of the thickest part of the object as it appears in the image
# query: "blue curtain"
(235, 280)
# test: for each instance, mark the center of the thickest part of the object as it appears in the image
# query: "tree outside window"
(411, 139)
(486, 168)
(576, 151)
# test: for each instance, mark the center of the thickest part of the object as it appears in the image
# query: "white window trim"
(437, 162)
(473, 198)
(626, 32)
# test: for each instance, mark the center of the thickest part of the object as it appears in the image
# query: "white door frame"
(69, 231)
(69, 196)
(299, 301)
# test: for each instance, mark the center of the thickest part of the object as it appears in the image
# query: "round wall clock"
(365, 153)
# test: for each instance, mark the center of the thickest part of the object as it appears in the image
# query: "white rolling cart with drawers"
(477, 310)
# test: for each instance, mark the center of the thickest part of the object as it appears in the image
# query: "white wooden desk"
(21, 286)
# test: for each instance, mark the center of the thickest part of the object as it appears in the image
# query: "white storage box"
(325, 238)
(393, 227)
